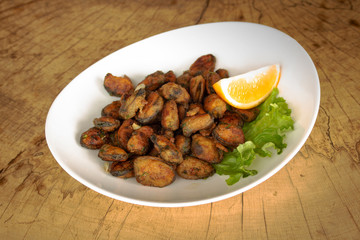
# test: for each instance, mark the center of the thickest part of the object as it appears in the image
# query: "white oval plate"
(238, 47)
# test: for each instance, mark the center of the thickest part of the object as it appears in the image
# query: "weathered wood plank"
(45, 44)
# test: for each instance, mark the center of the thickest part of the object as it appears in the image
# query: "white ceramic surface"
(238, 47)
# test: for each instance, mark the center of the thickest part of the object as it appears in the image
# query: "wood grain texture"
(45, 44)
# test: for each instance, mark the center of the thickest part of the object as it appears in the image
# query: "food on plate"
(108, 152)
(214, 105)
(205, 148)
(93, 138)
(170, 76)
(139, 142)
(183, 144)
(223, 73)
(167, 150)
(154, 81)
(203, 65)
(111, 110)
(152, 108)
(117, 86)
(247, 115)
(131, 104)
(184, 80)
(197, 88)
(176, 92)
(153, 171)
(124, 133)
(194, 168)
(195, 123)
(195, 109)
(170, 116)
(123, 169)
(107, 124)
(250, 89)
(232, 118)
(168, 126)
(212, 78)
(228, 135)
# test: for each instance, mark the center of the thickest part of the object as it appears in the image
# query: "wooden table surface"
(45, 44)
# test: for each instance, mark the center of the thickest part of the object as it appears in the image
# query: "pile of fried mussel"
(167, 125)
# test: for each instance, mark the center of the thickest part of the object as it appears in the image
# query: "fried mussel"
(167, 125)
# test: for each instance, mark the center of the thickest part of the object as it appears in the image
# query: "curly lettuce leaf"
(235, 163)
(265, 132)
(269, 128)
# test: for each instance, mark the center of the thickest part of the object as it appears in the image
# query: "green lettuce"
(270, 126)
(235, 163)
(266, 132)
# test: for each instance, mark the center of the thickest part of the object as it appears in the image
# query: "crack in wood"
(242, 213)
(18, 6)
(354, 23)
(17, 189)
(323, 232)
(258, 10)
(12, 161)
(301, 204)
(264, 217)
(39, 141)
(102, 220)
(357, 148)
(72, 216)
(209, 222)
(342, 201)
(303, 213)
(9, 218)
(38, 212)
(207, 2)
(123, 222)
(328, 128)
